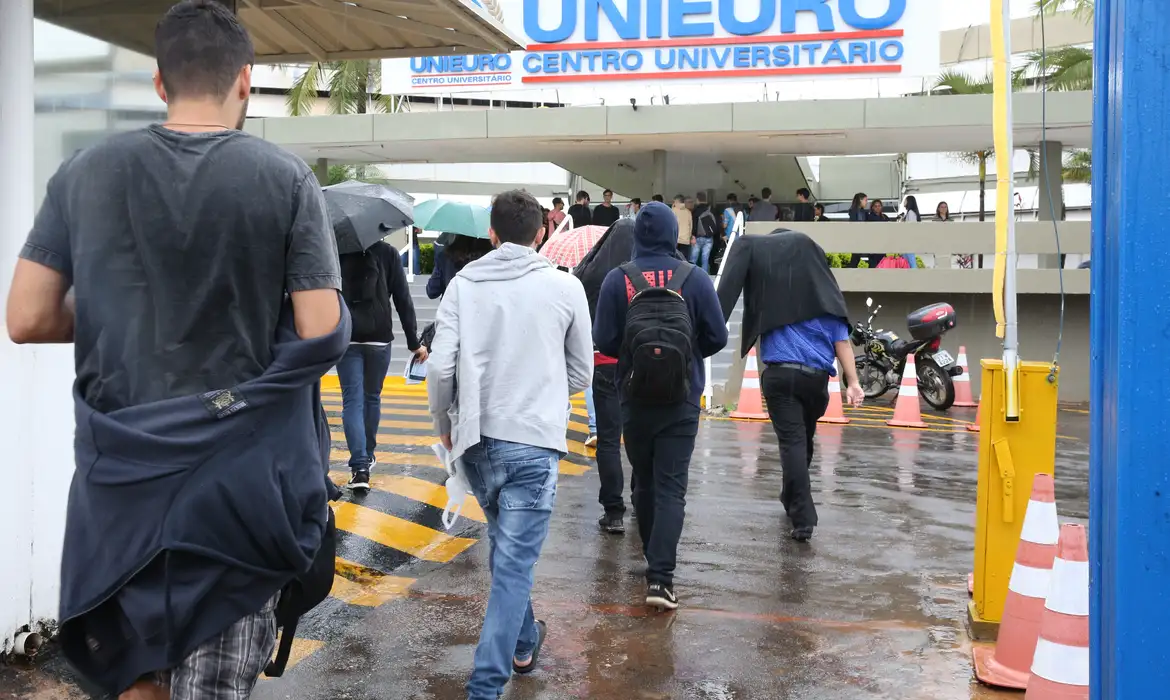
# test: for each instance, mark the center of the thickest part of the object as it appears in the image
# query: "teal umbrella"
(452, 217)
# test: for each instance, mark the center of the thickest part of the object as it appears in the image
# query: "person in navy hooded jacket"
(660, 437)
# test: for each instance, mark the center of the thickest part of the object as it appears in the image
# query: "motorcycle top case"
(931, 321)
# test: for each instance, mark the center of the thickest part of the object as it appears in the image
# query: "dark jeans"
(361, 372)
(659, 443)
(685, 250)
(796, 400)
(609, 439)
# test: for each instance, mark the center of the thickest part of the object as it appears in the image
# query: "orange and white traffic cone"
(1060, 668)
(1009, 663)
(975, 427)
(835, 413)
(751, 401)
(907, 413)
(963, 383)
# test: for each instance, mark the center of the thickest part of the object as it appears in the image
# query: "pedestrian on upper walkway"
(660, 339)
(793, 305)
(371, 280)
(202, 279)
(764, 210)
(685, 223)
(511, 346)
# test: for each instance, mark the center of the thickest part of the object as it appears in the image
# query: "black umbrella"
(362, 213)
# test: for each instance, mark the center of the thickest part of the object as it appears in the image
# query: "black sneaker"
(612, 524)
(360, 481)
(802, 534)
(661, 596)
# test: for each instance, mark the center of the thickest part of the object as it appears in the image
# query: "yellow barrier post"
(1011, 453)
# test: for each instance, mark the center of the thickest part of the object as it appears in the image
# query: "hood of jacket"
(614, 249)
(655, 231)
(508, 262)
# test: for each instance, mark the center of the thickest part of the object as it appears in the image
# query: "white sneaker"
(591, 441)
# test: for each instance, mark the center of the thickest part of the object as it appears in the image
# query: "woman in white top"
(910, 210)
(910, 214)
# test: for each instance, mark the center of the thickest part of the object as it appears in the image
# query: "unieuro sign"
(597, 41)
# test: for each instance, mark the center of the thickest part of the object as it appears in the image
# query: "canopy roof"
(297, 31)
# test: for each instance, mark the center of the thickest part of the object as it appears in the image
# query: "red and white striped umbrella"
(568, 248)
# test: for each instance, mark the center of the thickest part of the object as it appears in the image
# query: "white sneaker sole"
(358, 487)
(661, 603)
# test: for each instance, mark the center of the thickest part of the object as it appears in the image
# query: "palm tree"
(958, 83)
(349, 85)
(1081, 9)
(1078, 166)
(343, 173)
(1062, 69)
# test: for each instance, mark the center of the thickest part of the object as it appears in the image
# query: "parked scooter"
(881, 365)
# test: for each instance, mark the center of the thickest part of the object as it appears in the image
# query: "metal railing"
(737, 230)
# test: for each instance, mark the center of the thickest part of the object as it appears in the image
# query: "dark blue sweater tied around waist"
(188, 514)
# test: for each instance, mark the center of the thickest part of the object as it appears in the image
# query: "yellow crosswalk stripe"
(333, 403)
(301, 650)
(416, 490)
(372, 586)
(370, 593)
(574, 447)
(424, 424)
(400, 534)
(429, 460)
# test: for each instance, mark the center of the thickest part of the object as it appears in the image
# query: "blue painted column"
(1129, 490)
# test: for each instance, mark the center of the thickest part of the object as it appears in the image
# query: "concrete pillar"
(1050, 205)
(658, 176)
(321, 169)
(1129, 487)
(36, 425)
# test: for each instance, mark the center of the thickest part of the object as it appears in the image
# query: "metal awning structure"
(300, 31)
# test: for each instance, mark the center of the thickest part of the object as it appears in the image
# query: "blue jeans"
(362, 371)
(591, 410)
(516, 486)
(702, 250)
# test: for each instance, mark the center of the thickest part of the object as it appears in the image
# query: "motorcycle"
(883, 362)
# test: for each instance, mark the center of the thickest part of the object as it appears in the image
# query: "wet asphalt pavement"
(873, 607)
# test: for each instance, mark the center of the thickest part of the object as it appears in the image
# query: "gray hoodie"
(512, 344)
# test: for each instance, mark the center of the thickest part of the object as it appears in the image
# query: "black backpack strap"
(679, 277)
(288, 633)
(635, 276)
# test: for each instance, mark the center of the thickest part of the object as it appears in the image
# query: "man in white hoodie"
(512, 344)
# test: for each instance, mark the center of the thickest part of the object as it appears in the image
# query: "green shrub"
(863, 264)
(426, 258)
(838, 259)
(918, 262)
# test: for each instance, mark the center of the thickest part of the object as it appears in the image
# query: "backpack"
(708, 224)
(302, 594)
(658, 340)
(367, 294)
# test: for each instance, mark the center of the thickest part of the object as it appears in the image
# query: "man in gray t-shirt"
(180, 246)
(166, 255)
(180, 266)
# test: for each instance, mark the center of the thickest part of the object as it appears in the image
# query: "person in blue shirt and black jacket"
(793, 305)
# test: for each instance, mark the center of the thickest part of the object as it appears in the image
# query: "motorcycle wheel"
(872, 379)
(935, 385)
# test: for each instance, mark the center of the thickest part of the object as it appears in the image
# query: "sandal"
(541, 633)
